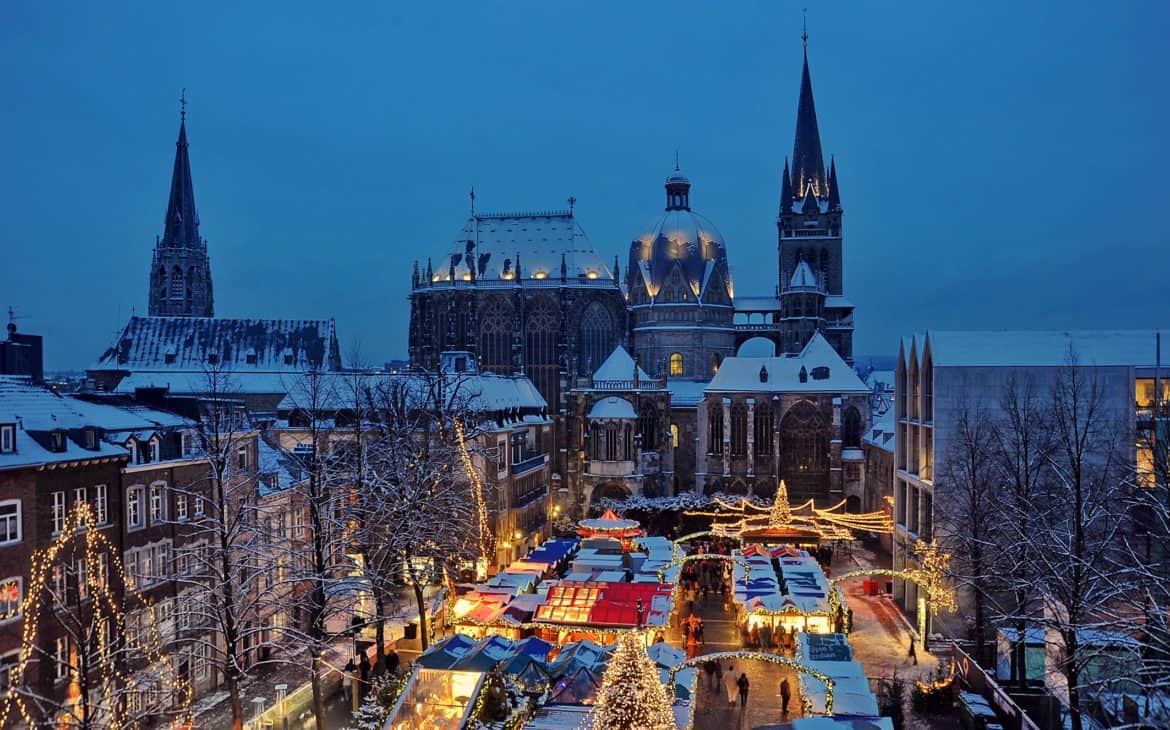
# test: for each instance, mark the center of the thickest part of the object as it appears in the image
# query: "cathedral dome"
(681, 238)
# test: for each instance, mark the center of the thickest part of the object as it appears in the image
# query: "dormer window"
(289, 358)
(132, 446)
(213, 358)
(154, 449)
(7, 438)
(170, 356)
(57, 441)
(250, 357)
(90, 438)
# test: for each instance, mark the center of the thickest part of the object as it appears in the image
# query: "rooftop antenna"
(572, 203)
(183, 105)
(472, 200)
(804, 28)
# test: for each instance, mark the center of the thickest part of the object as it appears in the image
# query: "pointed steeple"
(808, 162)
(786, 190)
(181, 228)
(834, 193)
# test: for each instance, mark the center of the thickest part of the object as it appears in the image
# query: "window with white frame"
(180, 507)
(242, 459)
(81, 570)
(132, 446)
(59, 583)
(11, 598)
(134, 511)
(158, 503)
(7, 438)
(130, 561)
(62, 657)
(58, 511)
(203, 661)
(188, 443)
(198, 504)
(80, 497)
(101, 576)
(10, 529)
(162, 561)
(101, 505)
(154, 449)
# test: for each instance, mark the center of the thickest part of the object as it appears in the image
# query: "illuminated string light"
(107, 671)
(762, 656)
(632, 696)
(486, 539)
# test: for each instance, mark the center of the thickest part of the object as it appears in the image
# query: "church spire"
(808, 162)
(181, 228)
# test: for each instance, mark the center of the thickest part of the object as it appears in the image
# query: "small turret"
(786, 190)
(834, 193)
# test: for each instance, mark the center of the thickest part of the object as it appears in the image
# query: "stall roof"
(824, 647)
(851, 696)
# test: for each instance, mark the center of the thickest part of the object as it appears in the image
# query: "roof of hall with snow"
(1040, 348)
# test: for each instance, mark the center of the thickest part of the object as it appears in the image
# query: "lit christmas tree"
(632, 697)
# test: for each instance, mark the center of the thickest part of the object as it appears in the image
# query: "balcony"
(532, 496)
(531, 462)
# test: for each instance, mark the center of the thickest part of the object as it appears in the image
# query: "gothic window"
(595, 341)
(495, 336)
(715, 429)
(627, 442)
(649, 428)
(540, 347)
(804, 443)
(764, 424)
(739, 430)
(851, 428)
(676, 363)
(611, 443)
(595, 441)
(176, 283)
(674, 435)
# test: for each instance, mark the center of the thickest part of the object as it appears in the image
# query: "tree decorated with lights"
(632, 697)
(113, 663)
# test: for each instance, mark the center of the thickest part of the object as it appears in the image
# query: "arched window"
(804, 448)
(764, 426)
(715, 362)
(611, 442)
(176, 283)
(674, 435)
(495, 336)
(648, 427)
(676, 363)
(715, 429)
(595, 339)
(540, 347)
(851, 428)
(739, 430)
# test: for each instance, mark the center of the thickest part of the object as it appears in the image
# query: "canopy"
(578, 688)
(610, 525)
(851, 696)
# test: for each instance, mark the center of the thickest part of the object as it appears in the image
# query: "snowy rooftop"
(685, 393)
(36, 410)
(482, 391)
(619, 366)
(613, 407)
(171, 344)
(825, 372)
(1004, 348)
(495, 243)
(757, 304)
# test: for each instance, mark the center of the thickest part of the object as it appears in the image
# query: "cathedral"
(664, 380)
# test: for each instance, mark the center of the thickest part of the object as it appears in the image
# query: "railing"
(974, 677)
(529, 464)
(551, 281)
(757, 327)
(610, 468)
(530, 497)
(630, 384)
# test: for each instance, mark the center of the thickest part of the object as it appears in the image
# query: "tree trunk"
(422, 615)
(233, 686)
(1072, 674)
(379, 630)
(319, 693)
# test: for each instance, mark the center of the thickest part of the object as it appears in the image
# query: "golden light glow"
(467, 276)
(540, 275)
(592, 275)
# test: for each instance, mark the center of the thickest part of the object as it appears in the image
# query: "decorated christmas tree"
(632, 697)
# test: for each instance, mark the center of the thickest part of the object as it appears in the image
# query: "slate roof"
(176, 344)
(619, 366)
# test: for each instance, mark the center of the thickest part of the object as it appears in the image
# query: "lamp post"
(281, 709)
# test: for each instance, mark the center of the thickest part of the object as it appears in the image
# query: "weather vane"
(183, 104)
(804, 28)
(676, 159)
(572, 203)
(473, 200)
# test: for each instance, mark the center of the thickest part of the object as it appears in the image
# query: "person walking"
(730, 684)
(743, 684)
(766, 637)
(913, 655)
(785, 695)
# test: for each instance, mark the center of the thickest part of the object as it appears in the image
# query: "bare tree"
(225, 568)
(1021, 454)
(970, 515)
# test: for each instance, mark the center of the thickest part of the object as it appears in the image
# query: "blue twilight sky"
(1001, 164)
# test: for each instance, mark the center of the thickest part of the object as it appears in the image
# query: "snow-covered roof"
(837, 302)
(685, 393)
(38, 410)
(619, 366)
(482, 391)
(825, 372)
(196, 382)
(681, 237)
(883, 378)
(241, 345)
(881, 433)
(1021, 348)
(613, 407)
(493, 242)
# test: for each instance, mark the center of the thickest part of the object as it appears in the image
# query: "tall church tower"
(810, 247)
(180, 273)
